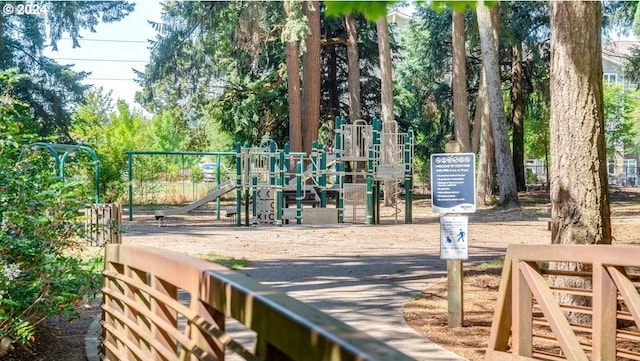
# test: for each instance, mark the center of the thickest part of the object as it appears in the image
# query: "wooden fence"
(160, 305)
(530, 322)
(103, 223)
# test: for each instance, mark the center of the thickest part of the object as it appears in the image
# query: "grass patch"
(494, 263)
(229, 262)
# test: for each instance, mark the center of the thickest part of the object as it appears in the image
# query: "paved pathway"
(365, 292)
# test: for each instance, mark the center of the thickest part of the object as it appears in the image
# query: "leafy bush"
(39, 229)
(531, 177)
(196, 174)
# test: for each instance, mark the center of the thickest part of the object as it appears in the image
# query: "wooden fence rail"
(103, 223)
(533, 321)
(160, 305)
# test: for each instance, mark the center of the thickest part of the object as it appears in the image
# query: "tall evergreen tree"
(311, 77)
(504, 161)
(579, 192)
(579, 186)
(353, 59)
(296, 28)
(423, 74)
(459, 82)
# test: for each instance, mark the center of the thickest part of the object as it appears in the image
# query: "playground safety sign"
(453, 178)
(454, 237)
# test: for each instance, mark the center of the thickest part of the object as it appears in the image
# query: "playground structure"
(276, 186)
(212, 195)
(69, 151)
(102, 222)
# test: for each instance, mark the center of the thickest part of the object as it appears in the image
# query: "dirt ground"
(490, 232)
(427, 312)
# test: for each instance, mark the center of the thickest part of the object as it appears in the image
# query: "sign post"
(453, 191)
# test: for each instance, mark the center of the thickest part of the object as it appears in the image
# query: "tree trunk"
(333, 108)
(487, 24)
(517, 116)
(386, 98)
(353, 82)
(459, 83)
(293, 90)
(353, 60)
(477, 122)
(311, 77)
(484, 189)
(579, 191)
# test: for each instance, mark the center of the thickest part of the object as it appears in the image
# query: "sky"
(113, 50)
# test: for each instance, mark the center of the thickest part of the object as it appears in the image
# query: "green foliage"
(51, 89)
(221, 65)
(618, 17)
(457, 6)
(636, 21)
(537, 136)
(253, 111)
(621, 104)
(196, 175)
(423, 86)
(172, 172)
(110, 134)
(631, 69)
(531, 177)
(372, 10)
(169, 132)
(39, 229)
(89, 120)
(296, 26)
(201, 43)
(334, 72)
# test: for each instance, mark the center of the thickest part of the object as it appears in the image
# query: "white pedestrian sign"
(454, 238)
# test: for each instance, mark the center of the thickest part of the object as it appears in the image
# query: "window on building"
(610, 77)
(630, 166)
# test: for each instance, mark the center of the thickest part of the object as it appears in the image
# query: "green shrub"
(41, 273)
(196, 174)
(530, 177)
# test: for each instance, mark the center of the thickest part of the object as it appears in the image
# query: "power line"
(111, 40)
(106, 60)
(111, 79)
